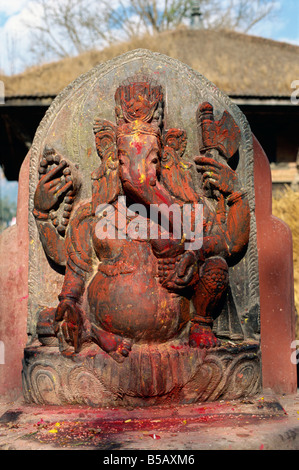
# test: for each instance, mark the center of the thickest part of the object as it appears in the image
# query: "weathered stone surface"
(14, 243)
(127, 330)
(95, 379)
(78, 128)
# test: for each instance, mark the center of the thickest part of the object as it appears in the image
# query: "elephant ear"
(106, 182)
(175, 172)
(176, 139)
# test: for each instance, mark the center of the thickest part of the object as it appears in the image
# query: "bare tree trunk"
(70, 27)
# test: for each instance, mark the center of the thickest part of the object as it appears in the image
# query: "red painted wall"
(14, 242)
(275, 254)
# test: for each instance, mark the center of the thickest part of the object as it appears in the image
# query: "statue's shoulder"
(83, 212)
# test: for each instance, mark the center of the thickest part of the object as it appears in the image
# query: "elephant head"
(139, 154)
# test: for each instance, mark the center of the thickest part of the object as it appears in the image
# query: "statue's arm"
(78, 254)
(230, 238)
(228, 232)
(69, 314)
(238, 223)
(58, 182)
(53, 243)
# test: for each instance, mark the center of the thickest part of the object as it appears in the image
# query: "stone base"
(169, 373)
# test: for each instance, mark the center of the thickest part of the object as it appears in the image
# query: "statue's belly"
(135, 305)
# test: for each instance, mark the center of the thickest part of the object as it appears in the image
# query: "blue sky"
(14, 49)
(290, 18)
(285, 26)
(3, 18)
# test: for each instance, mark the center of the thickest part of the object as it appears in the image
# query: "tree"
(8, 210)
(160, 15)
(240, 15)
(69, 27)
(150, 16)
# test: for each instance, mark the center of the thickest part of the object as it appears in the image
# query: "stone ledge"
(93, 378)
(264, 422)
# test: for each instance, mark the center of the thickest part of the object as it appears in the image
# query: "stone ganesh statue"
(123, 287)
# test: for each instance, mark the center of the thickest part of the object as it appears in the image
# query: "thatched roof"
(237, 63)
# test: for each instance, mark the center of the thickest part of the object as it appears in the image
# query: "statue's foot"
(201, 336)
(117, 346)
(45, 327)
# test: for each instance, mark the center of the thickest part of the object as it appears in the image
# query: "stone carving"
(192, 375)
(144, 260)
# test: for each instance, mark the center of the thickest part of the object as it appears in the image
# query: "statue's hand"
(217, 175)
(69, 323)
(50, 188)
(185, 273)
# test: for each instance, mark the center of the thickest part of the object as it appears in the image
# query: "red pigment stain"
(163, 199)
(138, 147)
(108, 320)
(91, 432)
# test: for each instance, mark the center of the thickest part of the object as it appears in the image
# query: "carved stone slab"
(153, 370)
(95, 379)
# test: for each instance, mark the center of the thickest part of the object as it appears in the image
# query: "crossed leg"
(117, 346)
(212, 285)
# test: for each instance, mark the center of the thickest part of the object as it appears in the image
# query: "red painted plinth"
(14, 242)
(275, 257)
